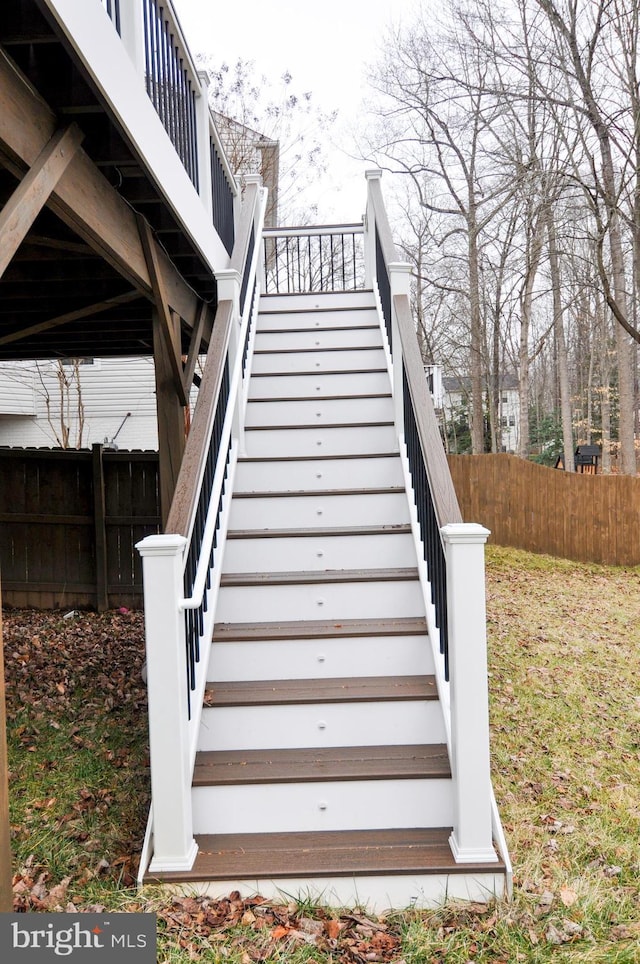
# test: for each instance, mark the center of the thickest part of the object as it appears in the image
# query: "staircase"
(327, 733)
(322, 752)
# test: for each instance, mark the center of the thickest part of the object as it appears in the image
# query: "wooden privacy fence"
(69, 522)
(589, 518)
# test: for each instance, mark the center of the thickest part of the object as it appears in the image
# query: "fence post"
(100, 528)
(374, 174)
(162, 567)
(471, 840)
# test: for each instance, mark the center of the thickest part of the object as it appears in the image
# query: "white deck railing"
(182, 567)
(451, 553)
(142, 66)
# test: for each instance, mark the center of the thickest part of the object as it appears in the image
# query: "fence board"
(589, 518)
(48, 505)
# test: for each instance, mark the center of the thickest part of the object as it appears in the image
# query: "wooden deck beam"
(82, 197)
(169, 329)
(33, 192)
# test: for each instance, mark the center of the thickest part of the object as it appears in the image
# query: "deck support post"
(174, 846)
(471, 840)
(171, 424)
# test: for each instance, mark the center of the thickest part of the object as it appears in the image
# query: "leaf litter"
(564, 646)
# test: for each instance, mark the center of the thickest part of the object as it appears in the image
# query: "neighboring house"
(250, 152)
(434, 377)
(456, 405)
(76, 402)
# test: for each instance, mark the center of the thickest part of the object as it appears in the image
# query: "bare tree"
(270, 128)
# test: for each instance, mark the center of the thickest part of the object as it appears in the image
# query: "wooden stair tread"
(325, 371)
(314, 493)
(311, 310)
(308, 578)
(320, 629)
(402, 528)
(236, 767)
(251, 459)
(316, 329)
(320, 398)
(316, 349)
(315, 425)
(336, 690)
(341, 853)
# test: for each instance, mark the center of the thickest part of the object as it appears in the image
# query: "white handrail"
(312, 230)
(202, 571)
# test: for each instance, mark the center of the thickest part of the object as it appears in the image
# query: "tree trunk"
(561, 345)
(477, 388)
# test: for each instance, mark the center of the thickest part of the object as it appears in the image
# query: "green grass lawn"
(564, 655)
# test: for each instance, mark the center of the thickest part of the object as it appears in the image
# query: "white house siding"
(110, 388)
(455, 399)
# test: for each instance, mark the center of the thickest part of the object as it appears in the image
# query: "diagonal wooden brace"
(194, 346)
(33, 192)
(169, 335)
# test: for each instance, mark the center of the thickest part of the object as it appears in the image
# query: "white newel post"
(174, 847)
(471, 840)
(399, 284)
(375, 174)
(132, 34)
(229, 282)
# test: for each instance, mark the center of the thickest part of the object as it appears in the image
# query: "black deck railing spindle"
(113, 9)
(194, 618)
(222, 200)
(384, 287)
(247, 270)
(314, 260)
(429, 529)
(169, 86)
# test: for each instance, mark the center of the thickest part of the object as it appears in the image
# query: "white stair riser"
(310, 301)
(373, 600)
(333, 411)
(292, 443)
(377, 893)
(317, 553)
(316, 474)
(309, 511)
(319, 385)
(312, 321)
(275, 363)
(323, 724)
(318, 338)
(300, 807)
(321, 658)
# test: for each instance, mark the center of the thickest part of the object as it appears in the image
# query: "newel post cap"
(165, 544)
(465, 533)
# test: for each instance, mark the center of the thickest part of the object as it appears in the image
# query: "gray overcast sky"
(325, 45)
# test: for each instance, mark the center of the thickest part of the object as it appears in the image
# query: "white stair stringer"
(322, 762)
